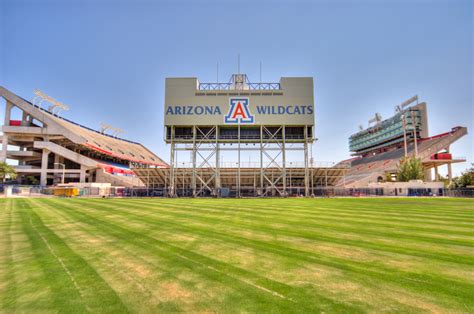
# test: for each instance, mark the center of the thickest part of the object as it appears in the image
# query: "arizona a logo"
(239, 112)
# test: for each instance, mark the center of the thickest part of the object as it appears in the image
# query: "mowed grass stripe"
(339, 209)
(8, 287)
(25, 279)
(257, 255)
(179, 218)
(434, 284)
(255, 287)
(221, 225)
(315, 214)
(162, 263)
(392, 208)
(321, 221)
(112, 257)
(75, 285)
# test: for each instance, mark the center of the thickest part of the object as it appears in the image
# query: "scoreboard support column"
(172, 192)
(238, 162)
(283, 151)
(217, 184)
(306, 168)
(193, 179)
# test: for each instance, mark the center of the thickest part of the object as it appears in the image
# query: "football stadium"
(229, 235)
(271, 124)
(236, 157)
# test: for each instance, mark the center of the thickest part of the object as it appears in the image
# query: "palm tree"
(7, 171)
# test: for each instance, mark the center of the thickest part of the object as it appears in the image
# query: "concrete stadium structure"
(205, 121)
(50, 149)
(379, 148)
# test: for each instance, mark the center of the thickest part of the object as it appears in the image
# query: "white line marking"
(239, 279)
(68, 272)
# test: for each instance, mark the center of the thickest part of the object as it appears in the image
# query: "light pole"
(413, 122)
(64, 170)
(404, 134)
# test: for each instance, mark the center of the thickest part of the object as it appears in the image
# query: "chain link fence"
(38, 191)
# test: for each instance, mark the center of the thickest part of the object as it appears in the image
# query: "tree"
(388, 177)
(7, 171)
(466, 178)
(445, 180)
(33, 180)
(410, 169)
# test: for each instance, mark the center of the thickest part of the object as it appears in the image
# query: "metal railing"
(318, 164)
(247, 86)
(242, 137)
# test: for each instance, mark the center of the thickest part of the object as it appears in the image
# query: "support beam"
(450, 172)
(172, 192)
(238, 163)
(450, 168)
(193, 183)
(44, 167)
(261, 161)
(82, 175)
(306, 168)
(283, 152)
(3, 155)
(218, 161)
(8, 111)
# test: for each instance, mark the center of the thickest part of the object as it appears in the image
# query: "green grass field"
(250, 255)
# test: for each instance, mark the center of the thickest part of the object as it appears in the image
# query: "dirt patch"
(139, 269)
(173, 291)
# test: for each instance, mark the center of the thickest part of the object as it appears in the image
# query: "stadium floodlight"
(115, 131)
(413, 122)
(55, 105)
(377, 119)
(401, 107)
(409, 101)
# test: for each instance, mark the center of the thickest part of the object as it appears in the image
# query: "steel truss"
(205, 147)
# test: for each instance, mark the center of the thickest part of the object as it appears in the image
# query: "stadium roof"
(85, 136)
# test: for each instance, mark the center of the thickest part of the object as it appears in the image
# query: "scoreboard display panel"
(291, 103)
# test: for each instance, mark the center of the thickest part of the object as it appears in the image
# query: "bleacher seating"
(369, 169)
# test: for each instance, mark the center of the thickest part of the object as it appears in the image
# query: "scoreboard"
(291, 103)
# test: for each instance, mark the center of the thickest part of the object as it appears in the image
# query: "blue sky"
(108, 59)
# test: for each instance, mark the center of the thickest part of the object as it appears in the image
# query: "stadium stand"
(319, 177)
(46, 143)
(379, 148)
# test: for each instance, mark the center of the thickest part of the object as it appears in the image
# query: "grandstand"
(267, 120)
(379, 148)
(50, 149)
(245, 182)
